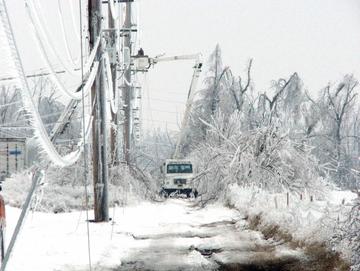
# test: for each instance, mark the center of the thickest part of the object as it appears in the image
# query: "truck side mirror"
(161, 170)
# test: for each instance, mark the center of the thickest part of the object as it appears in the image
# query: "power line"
(10, 104)
(34, 10)
(84, 136)
(32, 75)
(44, 43)
(73, 20)
(4, 124)
(26, 95)
(65, 39)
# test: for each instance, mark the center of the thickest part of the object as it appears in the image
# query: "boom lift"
(178, 173)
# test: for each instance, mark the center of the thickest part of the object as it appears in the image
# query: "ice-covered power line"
(43, 37)
(114, 101)
(31, 75)
(112, 11)
(7, 128)
(9, 104)
(40, 36)
(4, 124)
(35, 119)
(75, 62)
(73, 19)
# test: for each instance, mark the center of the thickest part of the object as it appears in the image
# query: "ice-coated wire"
(68, 51)
(114, 97)
(89, 82)
(85, 146)
(112, 10)
(44, 36)
(53, 75)
(92, 56)
(138, 32)
(9, 104)
(26, 95)
(127, 82)
(73, 19)
(8, 124)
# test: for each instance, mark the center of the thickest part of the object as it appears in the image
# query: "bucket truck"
(177, 173)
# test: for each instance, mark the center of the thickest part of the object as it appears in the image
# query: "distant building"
(13, 155)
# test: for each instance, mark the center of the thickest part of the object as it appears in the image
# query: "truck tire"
(164, 193)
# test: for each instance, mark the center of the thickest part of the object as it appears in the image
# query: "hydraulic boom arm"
(191, 94)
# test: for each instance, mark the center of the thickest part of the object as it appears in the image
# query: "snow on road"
(172, 235)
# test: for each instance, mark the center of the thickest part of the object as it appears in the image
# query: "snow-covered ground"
(170, 235)
(309, 221)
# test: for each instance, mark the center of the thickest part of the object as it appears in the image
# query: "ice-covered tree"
(221, 93)
(10, 104)
(346, 236)
(265, 157)
(334, 136)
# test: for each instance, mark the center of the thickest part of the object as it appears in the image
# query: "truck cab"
(177, 178)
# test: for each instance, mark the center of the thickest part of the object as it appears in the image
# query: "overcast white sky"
(320, 39)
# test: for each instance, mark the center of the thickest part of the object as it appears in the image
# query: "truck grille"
(179, 181)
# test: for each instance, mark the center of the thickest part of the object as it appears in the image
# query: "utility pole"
(99, 129)
(114, 116)
(215, 98)
(127, 89)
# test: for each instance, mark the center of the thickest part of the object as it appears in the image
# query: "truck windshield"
(179, 168)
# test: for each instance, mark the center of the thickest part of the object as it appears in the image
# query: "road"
(181, 236)
(170, 235)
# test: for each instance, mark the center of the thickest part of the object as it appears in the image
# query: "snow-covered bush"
(152, 151)
(129, 183)
(14, 189)
(306, 217)
(304, 220)
(62, 190)
(347, 235)
(265, 157)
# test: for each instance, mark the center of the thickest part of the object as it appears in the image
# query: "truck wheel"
(163, 193)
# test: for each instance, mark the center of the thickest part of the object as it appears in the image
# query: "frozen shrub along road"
(172, 235)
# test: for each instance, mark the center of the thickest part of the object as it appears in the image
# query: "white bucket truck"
(178, 178)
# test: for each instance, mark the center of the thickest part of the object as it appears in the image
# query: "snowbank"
(158, 233)
(62, 190)
(305, 220)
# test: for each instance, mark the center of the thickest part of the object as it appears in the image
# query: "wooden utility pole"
(99, 129)
(113, 130)
(127, 90)
(215, 98)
